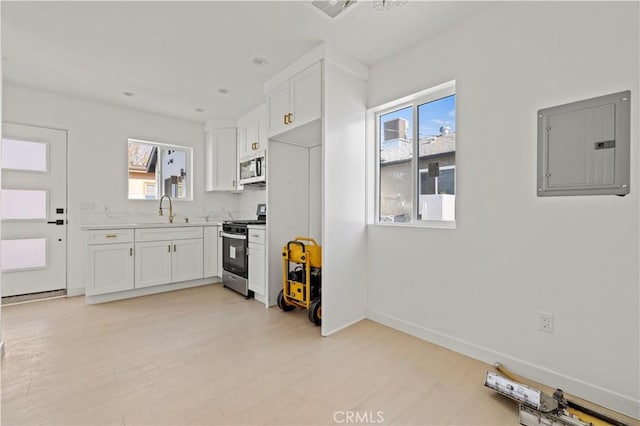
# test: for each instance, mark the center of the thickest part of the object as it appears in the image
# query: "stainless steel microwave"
(253, 168)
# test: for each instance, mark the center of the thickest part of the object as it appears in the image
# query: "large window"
(416, 173)
(158, 169)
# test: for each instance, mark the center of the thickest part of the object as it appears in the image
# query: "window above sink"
(157, 169)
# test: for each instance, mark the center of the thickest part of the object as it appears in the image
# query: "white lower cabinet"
(153, 263)
(109, 268)
(212, 251)
(127, 259)
(257, 262)
(109, 261)
(186, 262)
(162, 261)
(257, 268)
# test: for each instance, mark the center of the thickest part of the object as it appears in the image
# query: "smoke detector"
(333, 7)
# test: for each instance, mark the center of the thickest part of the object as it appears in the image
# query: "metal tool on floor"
(539, 409)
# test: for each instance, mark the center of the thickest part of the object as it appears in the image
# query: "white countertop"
(147, 225)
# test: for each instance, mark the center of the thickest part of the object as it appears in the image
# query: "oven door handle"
(234, 236)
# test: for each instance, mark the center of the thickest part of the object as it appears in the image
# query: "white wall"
(477, 289)
(288, 207)
(344, 236)
(97, 161)
(248, 201)
(1, 112)
(315, 193)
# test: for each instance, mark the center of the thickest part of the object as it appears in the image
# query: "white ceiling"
(176, 55)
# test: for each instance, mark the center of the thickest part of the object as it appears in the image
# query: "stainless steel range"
(235, 262)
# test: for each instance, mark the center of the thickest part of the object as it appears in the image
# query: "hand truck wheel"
(282, 304)
(315, 311)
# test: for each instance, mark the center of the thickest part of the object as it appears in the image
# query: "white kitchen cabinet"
(168, 255)
(110, 261)
(163, 262)
(221, 163)
(257, 262)
(186, 262)
(220, 251)
(295, 102)
(252, 132)
(141, 260)
(212, 251)
(153, 263)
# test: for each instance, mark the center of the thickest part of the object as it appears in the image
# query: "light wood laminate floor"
(208, 356)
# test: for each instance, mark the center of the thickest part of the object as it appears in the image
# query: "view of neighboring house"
(437, 159)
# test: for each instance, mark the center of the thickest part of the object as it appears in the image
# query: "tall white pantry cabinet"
(316, 174)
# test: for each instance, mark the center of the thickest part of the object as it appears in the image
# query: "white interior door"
(33, 208)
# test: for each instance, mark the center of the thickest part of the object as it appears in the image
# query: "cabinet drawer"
(256, 236)
(110, 236)
(160, 234)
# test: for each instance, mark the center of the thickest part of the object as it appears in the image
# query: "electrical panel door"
(583, 147)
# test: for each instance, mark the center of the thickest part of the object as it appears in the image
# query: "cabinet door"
(186, 262)
(257, 268)
(153, 263)
(243, 141)
(221, 160)
(109, 268)
(306, 95)
(252, 135)
(211, 251)
(277, 108)
(262, 129)
(220, 251)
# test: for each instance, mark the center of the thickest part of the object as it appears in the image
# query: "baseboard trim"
(33, 297)
(342, 327)
(111, 297)
(73, 292)
(590, 392)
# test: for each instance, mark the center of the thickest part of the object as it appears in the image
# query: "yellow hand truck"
(301, 278)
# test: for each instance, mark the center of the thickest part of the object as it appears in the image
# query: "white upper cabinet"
(252, 132)
(297, 101)
(221, 164)
(278, 108)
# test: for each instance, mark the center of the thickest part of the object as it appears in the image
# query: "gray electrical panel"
(583, 147)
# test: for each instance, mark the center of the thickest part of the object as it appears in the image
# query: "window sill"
(430, 224)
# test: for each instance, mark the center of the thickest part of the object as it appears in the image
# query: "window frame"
(158, 184)
(415, 101)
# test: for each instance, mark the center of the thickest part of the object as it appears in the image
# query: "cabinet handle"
(169, 247)
(289, 118)
(174, 247)
(111, 235)
(285, 119)
(219, 234)
(130, 251)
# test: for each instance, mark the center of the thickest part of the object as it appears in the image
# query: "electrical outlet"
(87, 206)
(545, 321)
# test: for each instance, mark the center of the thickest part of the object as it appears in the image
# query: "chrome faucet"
(171, 216)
